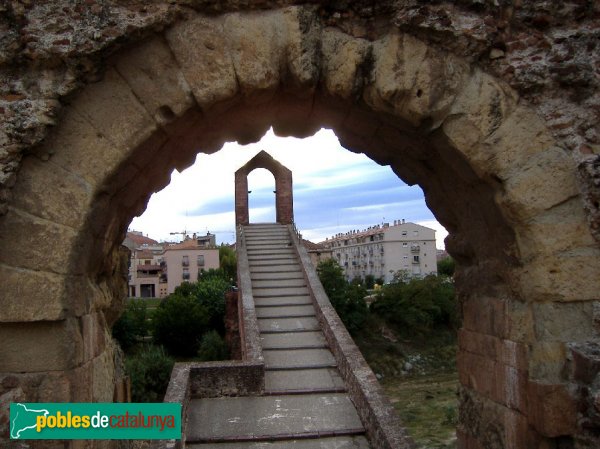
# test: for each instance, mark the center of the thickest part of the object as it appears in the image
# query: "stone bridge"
(491, 107)
(302, 382)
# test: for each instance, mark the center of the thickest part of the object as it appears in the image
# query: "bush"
(445, 267)
(178, 324)
(149, 371)
(132, 325)
(417, 305)
(210, 292)
(347, 299)
(213, 347)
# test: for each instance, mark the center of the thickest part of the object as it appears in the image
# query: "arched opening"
(261, 196)
(491, 173)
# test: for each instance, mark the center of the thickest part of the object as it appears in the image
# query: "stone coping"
(383, 426)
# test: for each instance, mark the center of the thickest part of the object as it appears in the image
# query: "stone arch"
(490, 170)
(284, 201)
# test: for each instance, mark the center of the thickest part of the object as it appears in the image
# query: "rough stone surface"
(492, 107)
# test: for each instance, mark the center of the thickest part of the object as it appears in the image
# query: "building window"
(185, 261)
(404, 245)
(403, 232)
(415, 232)
(186, 274)
(201, 260)
(147, 262)
(416, 259)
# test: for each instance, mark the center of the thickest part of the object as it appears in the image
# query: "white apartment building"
(382, 250)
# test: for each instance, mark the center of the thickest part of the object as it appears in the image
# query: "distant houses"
(156, 269)
(382, 250)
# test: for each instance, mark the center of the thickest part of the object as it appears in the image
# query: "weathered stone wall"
(424, 88)
(547, 51)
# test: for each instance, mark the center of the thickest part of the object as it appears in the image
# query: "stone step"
(269, 267)
(288, 324)
(268, 257)
(260, 252)
(298, 358)
(274, 263)
(285, 311)
(276, 276)
(302, 380)
(278, 283)
(297, 300)
(336, 442)
(271, 418)
(293, 340)
(268, 244)
(279, 292)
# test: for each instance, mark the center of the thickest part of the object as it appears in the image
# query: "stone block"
(48, 191)
(200, 47)
(342, 72)
(28, 295)
(485, 315)
(103, 376)
(256, 44)
(114, 111)
(302, 47)
(40, 346)
(552, 409)
(547, 361)
(36, 244)
(152, 72)
(479, 373)
(545, 180)
(413, 81)
(559, 321)
(565, 276)
(477, 112)
(585, 361)
(560, 228)
(511, 387)
(82, 150)
(93, 329)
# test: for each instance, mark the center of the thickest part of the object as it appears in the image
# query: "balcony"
(185, 263)
(415, 248)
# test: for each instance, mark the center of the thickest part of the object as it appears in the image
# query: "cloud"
(335, 190)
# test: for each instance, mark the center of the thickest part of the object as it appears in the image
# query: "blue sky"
(334, 191)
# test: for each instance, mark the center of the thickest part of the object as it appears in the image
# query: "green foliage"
(445, 267)
(417, 305)
(149, 371)
(228, 262)
(132, 325)
(347, 299)
(369, 281)
(332, 277)
(210, 292)
(179, 322)
(213, 347)
(194, 308)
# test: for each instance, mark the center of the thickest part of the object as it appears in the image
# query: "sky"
(334, 190)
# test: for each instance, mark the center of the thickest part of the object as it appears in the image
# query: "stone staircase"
(305, 404)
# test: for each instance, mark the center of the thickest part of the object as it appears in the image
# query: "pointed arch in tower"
(284, 203)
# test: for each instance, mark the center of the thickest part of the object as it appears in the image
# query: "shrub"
(178, 324)
(210, 292)
(213, 347)
(149, 371)
(418, 305)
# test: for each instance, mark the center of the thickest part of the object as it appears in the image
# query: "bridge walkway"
(305, 404)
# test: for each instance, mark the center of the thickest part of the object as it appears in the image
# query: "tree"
(332, 277)
(347, 299)
(445, 266)
(178, 324)
(228, 262)
(369, 281)
(132, 325)
(417, 305)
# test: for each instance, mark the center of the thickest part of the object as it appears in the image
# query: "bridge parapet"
(377, 414)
